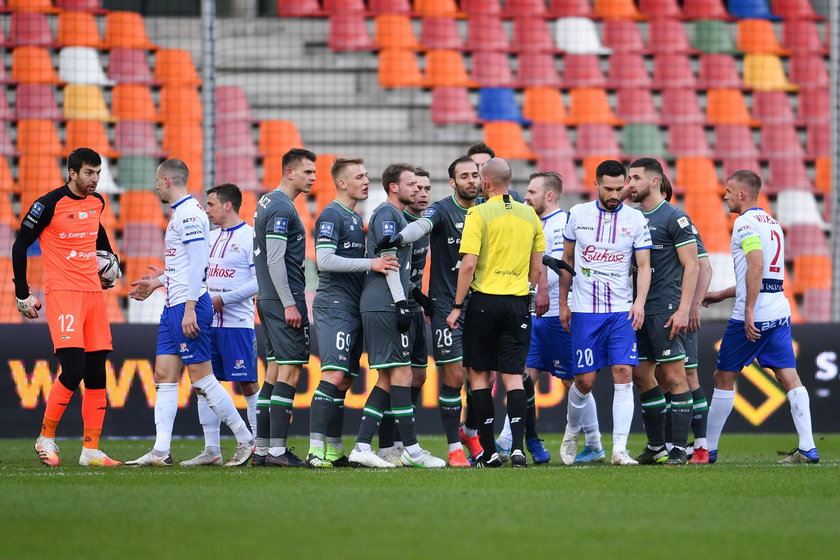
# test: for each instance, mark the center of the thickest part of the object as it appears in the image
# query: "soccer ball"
(108, 266)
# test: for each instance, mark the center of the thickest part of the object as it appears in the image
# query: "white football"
(108, 266)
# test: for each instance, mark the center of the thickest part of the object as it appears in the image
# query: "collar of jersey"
(71, 194)
(655, 209)
(497, 197)
(552, 214)
(234, 228)
(753, 208)
(410, 217)
(180, 202)
(349, 210)
(455, 200)
(598, 206)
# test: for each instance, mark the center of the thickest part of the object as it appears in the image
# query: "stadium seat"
(232, 105)
(37, 174)
(780, 140)
(686, 139)
(133, 269)
(672, 71)
(712, 36)
(439, 8)
(7, 216)
(787, 173)
(623, 36)
(389, 6)
(33, 65)
(595, 139)
(711, 219)
(234, 138)
(298, 8)
(590, 105)
(751, 9)
(174, 67)
(628, 71)
(451, 104)
(333, 7)
(589, 166)
(324, 189)
(668, 36)
(565, 166)
(537, 69)
(486, 33)
(822, 174)
(129, 66)
(551, 140)
(85, 102)
(617, 9)
(44, 6)
(180, 104)
(38, 136)
(818, 140)
(727, 106)
(795, 10)
(531, 34)
(681, 106)
(498, 104)
(238, 170)
(248, 208)
(141, 207)
(577, 35)
(107, 184)
(705, 9)
(801, 36)
(570, 8)
(732, 164)
(398, 68)
(133, 102)
(30, 29)
(582, 71)
(272, 171)
(7, 183)
(481, 7)
(394, 31)
(697, 176)
(6, 147)
(348, 32)
(136, 138)
(660, 9)
(137, 172)
(36, 101)
(78, 29)
(734, 141)
(635, 105)
(182, 137)
(80, 65)
(816, 305)
(757, 36)
(811, 272)
(6, 112)
(278, 137)
(808, 70)
(90, 134)
(642, 139)
(92, 6)
(772, 107)
(446, 68)
(525, 8)
(718, 71)
(441, 33)
(489, 69)
(798, 207)
(543, 105)
(507, 140)
(126, 30)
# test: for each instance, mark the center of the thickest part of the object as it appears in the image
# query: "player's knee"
(584, 384)
(725, 380)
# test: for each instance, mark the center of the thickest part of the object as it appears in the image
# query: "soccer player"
(67, 223)
(601, 238)
(481, 153)
(279, 252)
(760, 324)
(386, 321)
(342, 267)
(232, 284)
(184, 334)
(443, 222)
(661, 340)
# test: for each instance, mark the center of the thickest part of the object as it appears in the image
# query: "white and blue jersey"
(554, 225)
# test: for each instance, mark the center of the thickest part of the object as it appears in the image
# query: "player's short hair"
(454, 164)
(650, 166)
(610, 168)
(228, 192)
(748, 179)
(176, 170)
(392, 173)
(340, 164)
(420, 172)
(481, 148)
(665, 188)
(295, 155)
(551, 180)
(81, 156)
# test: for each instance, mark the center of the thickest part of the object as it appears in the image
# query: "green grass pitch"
(745, 506)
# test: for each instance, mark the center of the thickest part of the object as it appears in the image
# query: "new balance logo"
(523, 326)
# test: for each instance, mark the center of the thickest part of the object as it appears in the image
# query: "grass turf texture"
(744, 506)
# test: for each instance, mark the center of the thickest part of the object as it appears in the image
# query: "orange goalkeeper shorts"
(78, 320)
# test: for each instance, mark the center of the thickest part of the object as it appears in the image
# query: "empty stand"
(712, 37)
(394, 31)
(232, 105)
(757, 36)
(36, 101)
(551, 140)
(90, 134)
(764, 72)
(801, 36)
(798, 207)
(174, 67)
(623, 35)
(808, 70)
(780, 140)
(628, 71)
(498, 104)
(133, 102)
(78, 29)
(686, 139)
(525, 8)
(531, 34)
(577, 35)
(727, 106)
(543, 105)
(787, 173)
(811, 272)
(180, 104)
(595, 139)
(486, 33)
(126, 30)
(772, 107)
(138, 172)
(507, 140)
(440, 8)
(582, 71)
(590, 105)
(734, 141)
(441, 33)
(668, 36)
(570, 8)
(617, 9)
(80, 65)
(136, 138)
(489, 69)
(635, 105)
(818, 140)
(643, 139)
(141, 207)
(85, 102)
(33, 65)
(718, 71)
(660, 9)
(348, 32)
(481, 7)
(680, 105)
(398, 68)
(233, 138)
(30, 28)
(672, 71)
(537, 69)
(277, 137)
(451, 104)
(705, 9)
(129, 66)
(38, 136)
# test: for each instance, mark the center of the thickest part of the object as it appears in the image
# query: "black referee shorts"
(497, 333)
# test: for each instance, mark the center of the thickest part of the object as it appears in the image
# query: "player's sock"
(56, 405)
(404, 414)
(482, 403)
(800, 410)
(653, 414)
(387, 426)
(623, 406)
(377, 403)
(574, 413)
(415, 395)
(699, 417)
(531, 414)
(94, 403)
(681, 410)
(222, 405)
(251, 411)
(210, 423)
(450, 412)
(264, 415)
(335, 427)
(669, 437)
(471, 422)
(722, 403)
(320, 412)
(505, 438)
(166, 406)
(282, 399)
(517, 409)
(589, 424)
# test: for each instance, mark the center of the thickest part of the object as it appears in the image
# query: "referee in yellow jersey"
(501, 252)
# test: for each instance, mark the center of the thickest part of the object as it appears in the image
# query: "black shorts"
(339, 335)
(691, 358)
(284, 344)
(386, 346)
(497, 333)
(653, 342)
(419, 351)
(447, 344)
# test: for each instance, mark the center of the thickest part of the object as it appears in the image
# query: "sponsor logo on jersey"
(36, 210)
(81, 255)
(189, 219)
(683, 222)
(592, 254)
(216, 272)
(586, 272)
(459, 225)
(169, 252)
(281, 225)
(326, 229)
(83, 215)
(389, 228)
(429, 212)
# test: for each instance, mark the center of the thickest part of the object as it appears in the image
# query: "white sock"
(166, 406)
(210, 423)
(252, 411)
(719, 410)
(700, 443)
(276, 451)
(363, 446)
(505, 439)
(623, 406)
(589, 424)
(455, 446)
(414, 450)
(335, 442)
(574, 411)
(222, 404)
(469, 432)
(800, 410)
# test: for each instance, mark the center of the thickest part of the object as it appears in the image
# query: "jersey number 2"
(774, 266)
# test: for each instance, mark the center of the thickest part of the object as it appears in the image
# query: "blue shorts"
(171, 339)
(234, 354)
(551, 348)
(774, 349)
(602, 339)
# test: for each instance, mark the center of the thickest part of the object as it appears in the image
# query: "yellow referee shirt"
(503, 235)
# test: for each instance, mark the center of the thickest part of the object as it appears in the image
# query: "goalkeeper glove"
(422, 300)
(389, 242)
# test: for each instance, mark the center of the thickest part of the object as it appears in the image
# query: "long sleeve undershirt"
(328, 261)
(415, 230)
(276, 261)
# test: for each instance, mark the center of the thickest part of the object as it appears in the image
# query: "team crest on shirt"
(37, 210)
(281, 225)
(326, 229)
(389, 228)
(184, 347)
(239, 364)
(429, 212)
(626, 232)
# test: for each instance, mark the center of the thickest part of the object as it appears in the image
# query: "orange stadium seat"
(596, 138)
(37, 174)
(617, 9)
(348, 32)
(718, 71)
(544, 105)
(764, 72)
(697, 176)
(486, 32)
(90, 134)
(451, 104)
(38, 136)
(93, 6)
(808, 70)
(681, 106)
(232, 105)
(668, 36)
(180, 104)
(136, 267)
(687, 139)
(394, 31)
(531, 34)
(628, 71)
(481, 7)
(234, 138)
(772, 106)
(507, 140)
(590, 105)
(182, 137)
(33, 65)
(446, 68)
(399, 68)
(272, 171)
(780, 140)
(323, 190)
(174, 67)
(249, 207)
(45, 6)
(660, 9)
(36, 101)
(705, 9)
(78, 29)
(672, 71)
(440, 8)
(441, 33)
(7, 216)
(727, 106)
(112, 303)
(734, 141)
(622, 35)
(85, 102)
(133, 102)
(551, 140)
(711, 219)
(136, 138)
(757, 36)
(822, 179)
(570, 8)
(800, 36)
(126, 30)
(129, 66)
(818, 140)
(237, 170)
(537, 69)
(6, 147)
(141, 207)
(582, 71)
(278, 137)
(525, 8)
(589, 165)
(389, 6)
(30, 29)
(635, 105)
(811, 272)
(7, 182)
